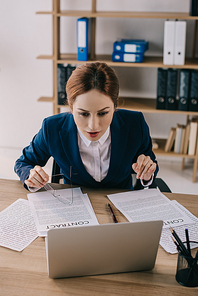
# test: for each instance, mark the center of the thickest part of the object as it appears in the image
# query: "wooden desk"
(25, 273)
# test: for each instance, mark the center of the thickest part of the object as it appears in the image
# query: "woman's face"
(93, 113)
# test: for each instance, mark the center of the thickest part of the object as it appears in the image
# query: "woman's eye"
(102, 113)
(85, 114)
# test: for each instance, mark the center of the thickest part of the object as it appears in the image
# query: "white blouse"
(95, 155)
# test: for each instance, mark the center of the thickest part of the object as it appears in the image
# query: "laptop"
(102, 249)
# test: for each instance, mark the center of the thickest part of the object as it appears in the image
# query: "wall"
(23, 78)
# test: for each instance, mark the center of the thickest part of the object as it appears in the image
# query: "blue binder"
(130, 46)
(82, 39)
(127, 57)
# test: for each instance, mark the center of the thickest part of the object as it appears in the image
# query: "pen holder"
(187, 267)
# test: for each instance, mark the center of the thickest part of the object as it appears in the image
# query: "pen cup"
(187, 267)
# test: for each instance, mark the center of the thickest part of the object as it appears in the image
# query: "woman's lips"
(93, 134)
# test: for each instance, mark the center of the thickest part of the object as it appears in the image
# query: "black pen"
(187, 241)
(112, 214)
(180, 243)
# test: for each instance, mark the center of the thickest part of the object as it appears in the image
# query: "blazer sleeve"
(146, 143)
(37, 153)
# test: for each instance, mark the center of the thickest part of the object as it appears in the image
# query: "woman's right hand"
(37, 178)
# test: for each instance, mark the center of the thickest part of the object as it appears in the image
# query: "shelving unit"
(145, 105)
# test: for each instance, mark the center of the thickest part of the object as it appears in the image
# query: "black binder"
(193, 105)
(194, 7)
(69, 70)
(171, 92)
(61, 79)
(161, 88)
(63, 74)
(184, 89)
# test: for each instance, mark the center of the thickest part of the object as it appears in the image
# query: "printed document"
(17, 226)
(166, 241)
(151, 204)
(148, 205)
(49, 212)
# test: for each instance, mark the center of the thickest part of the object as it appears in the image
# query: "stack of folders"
(177, 89)
(63, 74)
(174, 42)
(129, 50)
(183, 138)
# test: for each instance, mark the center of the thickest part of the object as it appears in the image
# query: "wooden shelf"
(147, 105)
(44, 12)
(160, 151)
(46, 99)
(122, 14)
(148, 62)
(45, 57)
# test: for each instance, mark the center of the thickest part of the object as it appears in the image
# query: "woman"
(99, 143)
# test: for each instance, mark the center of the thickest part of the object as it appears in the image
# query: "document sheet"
(151, 204)
(17, 226)
(166, 241)
(49, 212)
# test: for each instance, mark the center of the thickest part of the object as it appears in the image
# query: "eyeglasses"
(62, 199)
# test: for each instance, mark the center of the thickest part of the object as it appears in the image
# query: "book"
(170, 140)
(193, 137)
(178, 138)
(186, 139)
(182, 139)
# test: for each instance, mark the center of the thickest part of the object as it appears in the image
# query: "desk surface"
(25, 273)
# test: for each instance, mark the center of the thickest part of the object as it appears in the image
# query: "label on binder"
(130, 48)
(81, 34)
(129, 57)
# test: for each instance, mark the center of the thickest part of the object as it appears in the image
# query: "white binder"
(180, 42)
(169, 40)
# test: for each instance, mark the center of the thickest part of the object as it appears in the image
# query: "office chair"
(163, 187)
(158, 182)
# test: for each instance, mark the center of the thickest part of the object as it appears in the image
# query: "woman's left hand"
(144, 167)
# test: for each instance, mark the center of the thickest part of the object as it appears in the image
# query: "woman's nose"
(93, 123)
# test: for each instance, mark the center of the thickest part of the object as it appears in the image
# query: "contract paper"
(17, 226)
(50, 213)
(148, 205)
(166, 241)
(151, 204)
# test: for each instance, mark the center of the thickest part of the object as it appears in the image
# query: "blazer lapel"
(69, 140)
(118, 144)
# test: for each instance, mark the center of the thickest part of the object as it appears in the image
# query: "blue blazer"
(58, 138)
